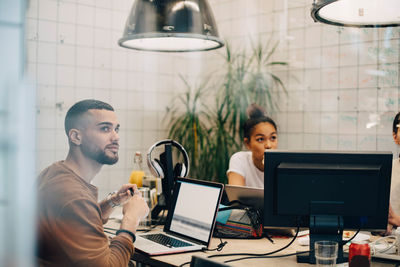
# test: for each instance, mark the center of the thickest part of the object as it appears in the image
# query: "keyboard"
(167, 240)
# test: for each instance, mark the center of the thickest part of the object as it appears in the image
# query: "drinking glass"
(326, 253)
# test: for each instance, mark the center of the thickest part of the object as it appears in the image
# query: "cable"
(220, 246)
(381, 240)
(258, 254)
(273, 256)
(344, 242)
(183, 264)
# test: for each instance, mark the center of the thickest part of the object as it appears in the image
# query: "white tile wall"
(66, 33)
(348, 100)
(67, 12)
(66, 54)
(329, 122)
(348, 77)
(387, 100)
(84, 56)
(330, 56)
(332, 78)
(348, 123)
(46, 74)
(46, 95)
(84, 35)
(84, 77)
(329, 142)
(85, 15)
(311, 141)
(47, 31)
(329, 100)
(295, 141)
(347, 142)
(48, 10)
(65, 76)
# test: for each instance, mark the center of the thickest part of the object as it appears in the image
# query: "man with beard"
(70, 219)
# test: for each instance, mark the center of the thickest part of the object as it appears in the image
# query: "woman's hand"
(393, 219)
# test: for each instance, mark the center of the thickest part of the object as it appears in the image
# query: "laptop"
(190, 221)
(253, 196)
(250, 196)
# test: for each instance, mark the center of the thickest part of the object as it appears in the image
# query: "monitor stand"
(324, 227)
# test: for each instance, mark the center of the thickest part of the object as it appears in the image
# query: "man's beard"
(99, 155)
(102, 158)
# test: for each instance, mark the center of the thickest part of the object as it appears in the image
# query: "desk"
(241, 246)
(233, 246)
(237, 246)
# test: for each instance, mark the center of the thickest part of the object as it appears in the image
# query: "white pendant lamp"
(357, 13)
(171, 26)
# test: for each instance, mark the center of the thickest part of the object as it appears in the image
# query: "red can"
(359, 254)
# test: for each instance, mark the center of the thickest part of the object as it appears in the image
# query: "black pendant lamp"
(357, 13)
(171, 26)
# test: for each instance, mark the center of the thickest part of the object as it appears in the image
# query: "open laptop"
(250, 196)
(190, 221)
(254, 197)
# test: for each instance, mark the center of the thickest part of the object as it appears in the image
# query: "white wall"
(72, 54)
(343, 82)
(339, 79)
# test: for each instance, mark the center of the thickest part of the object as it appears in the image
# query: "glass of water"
(326, 253)
(145, 191)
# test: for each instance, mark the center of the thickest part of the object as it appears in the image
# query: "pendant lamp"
(357, 13)
(171, 26)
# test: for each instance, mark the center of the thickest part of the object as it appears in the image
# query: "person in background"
(394, 208)
(246, 168)
(70, 220)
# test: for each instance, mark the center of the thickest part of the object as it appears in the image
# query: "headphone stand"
(167, 182)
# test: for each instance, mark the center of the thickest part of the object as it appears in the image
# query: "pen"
(131, 191)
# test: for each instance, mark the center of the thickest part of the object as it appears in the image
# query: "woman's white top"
(242, 163)
(395, 187)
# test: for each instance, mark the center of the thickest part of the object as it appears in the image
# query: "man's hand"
(134, 210)
(125, 193)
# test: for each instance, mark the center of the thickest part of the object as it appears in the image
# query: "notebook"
(190, 221)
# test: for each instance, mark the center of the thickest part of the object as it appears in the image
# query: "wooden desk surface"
(236, 246)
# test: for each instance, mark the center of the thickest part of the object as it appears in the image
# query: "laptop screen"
(196, 206)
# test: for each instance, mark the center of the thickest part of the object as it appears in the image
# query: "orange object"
(136, 178)
(137, 174)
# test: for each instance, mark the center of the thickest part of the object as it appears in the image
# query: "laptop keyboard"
(167, 240)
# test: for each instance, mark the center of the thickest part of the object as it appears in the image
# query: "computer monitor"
(326, 192)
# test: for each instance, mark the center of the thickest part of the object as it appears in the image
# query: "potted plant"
(212, 133)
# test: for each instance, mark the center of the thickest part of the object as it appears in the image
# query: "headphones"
(159, 170)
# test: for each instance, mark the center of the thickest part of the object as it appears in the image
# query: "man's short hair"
(81, 107)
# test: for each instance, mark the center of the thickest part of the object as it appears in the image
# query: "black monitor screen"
(353, 186)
